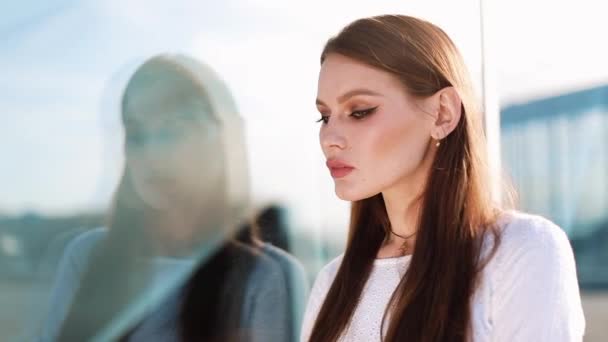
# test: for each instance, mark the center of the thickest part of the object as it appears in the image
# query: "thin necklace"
(403, 248)
(403, 237)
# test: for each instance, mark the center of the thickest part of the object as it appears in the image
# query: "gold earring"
(438, 142)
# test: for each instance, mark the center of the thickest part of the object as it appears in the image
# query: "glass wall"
(93, 150)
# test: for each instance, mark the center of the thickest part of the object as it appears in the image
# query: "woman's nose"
(332, 137)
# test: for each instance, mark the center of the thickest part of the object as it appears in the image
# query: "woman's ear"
(448, 113)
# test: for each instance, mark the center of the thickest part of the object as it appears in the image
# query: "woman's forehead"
(157, 101)
(340, 75)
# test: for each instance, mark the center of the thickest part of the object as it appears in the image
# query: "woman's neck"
(172, 232)
(403, 208)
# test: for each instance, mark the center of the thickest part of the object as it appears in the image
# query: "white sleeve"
(535, 289)
(315, 300)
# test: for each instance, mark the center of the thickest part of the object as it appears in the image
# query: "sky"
(64, 63)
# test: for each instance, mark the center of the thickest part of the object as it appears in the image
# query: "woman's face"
(173, 149)
(370, 124)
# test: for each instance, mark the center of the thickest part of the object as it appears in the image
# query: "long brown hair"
(432, 301)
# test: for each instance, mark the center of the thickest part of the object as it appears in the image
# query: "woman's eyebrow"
(344, 97)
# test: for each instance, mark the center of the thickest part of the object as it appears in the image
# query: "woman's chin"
(349, 194)
(156, 200)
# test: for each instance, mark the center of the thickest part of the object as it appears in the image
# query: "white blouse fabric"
(528, 292)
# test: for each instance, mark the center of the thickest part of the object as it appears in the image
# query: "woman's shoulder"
(89, 237)
(529, 241)
(80, 247)
(285, 259)
(253, 262)
(327, 274)
(531, 282)
(524, 230)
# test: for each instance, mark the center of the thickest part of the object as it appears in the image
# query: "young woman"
(182, 194)
(429, 255)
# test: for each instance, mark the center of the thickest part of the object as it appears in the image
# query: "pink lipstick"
(338, 169)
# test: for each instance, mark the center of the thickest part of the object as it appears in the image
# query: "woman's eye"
(324, 119)
(360, 114)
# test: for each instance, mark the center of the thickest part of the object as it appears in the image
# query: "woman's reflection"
(184, 183)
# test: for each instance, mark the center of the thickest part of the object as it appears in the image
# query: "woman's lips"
(340, 172)
(338, 168)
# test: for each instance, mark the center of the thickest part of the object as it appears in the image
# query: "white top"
(527, 292)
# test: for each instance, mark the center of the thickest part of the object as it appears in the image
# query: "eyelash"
(357, 114)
